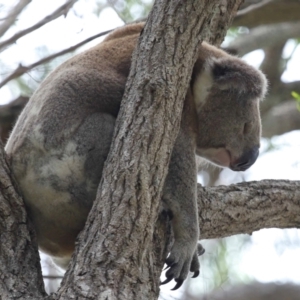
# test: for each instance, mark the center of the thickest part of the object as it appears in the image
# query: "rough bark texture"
(20, 270)
(248, 206)
(116, 246)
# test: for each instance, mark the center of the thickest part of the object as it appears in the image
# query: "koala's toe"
(196, 274)
(178, 284)
(179, 272)
(195, 265)
(200, 249)
(180, 262)
(167, 280)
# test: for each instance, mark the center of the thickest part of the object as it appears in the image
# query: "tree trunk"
(20, 270)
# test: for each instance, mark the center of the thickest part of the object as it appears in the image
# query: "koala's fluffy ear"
(230, 73)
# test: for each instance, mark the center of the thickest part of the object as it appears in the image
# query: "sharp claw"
(196, 274)
(169, 263)
(170, 214)
(178, 285)
(201, 250)
(167, 267)
(167, 280)
(164, 213)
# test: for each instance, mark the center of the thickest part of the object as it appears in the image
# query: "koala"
(61, 140)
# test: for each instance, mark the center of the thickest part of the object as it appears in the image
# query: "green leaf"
(296, 95)
(297, 98)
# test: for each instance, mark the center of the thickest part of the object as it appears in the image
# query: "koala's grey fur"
(61, 140)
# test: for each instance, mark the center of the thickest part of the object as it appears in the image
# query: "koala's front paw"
(180, 261)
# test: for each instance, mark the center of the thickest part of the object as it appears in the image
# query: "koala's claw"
(178, 266)
(200, 249)
(178, 284)
(196, 274)
(166, 268)
(169, 278)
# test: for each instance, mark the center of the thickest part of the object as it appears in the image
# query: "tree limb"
(271, 65)
(268, 12)
(23, 69)
(280, 119)
(11, 17)
(279, 93)
(264, 37)
(62, 10)
(248, 206)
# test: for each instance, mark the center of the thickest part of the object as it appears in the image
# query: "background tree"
(267, 25)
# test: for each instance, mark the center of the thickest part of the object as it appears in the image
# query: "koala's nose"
(246, 160)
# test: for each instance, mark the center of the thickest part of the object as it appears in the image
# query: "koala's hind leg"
(179, 197)
(60, 202)
(93, 140)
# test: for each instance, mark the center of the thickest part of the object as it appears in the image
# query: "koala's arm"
(179, 197)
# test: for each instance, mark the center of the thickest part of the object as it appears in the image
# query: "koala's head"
(227, 92)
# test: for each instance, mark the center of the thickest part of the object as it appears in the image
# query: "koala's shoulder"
(125, 32)
(113, 53)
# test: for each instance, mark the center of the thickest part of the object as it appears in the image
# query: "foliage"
(297, 98)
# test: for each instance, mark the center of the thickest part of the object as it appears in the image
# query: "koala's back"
(61, 140)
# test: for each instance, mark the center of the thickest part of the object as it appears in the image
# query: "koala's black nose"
(246, 160)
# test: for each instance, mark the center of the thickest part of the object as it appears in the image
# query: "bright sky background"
(261, 260)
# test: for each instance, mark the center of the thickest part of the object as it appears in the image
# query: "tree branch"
(268, 12)
(264, 37)
(279, 93)
(11, 17)
(271, 66)
(23, 69)
(62, 10)
(248, 206)
(292, 86)
(280, 119)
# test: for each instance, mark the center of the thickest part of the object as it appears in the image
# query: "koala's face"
(227, 95)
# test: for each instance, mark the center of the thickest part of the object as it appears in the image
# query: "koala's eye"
(247, 127)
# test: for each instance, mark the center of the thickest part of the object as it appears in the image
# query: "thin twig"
(111, 3)
(12, 15)
(62, 10)
(23, 69)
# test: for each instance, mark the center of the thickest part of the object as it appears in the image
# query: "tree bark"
(20, 270)
(248, 206)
